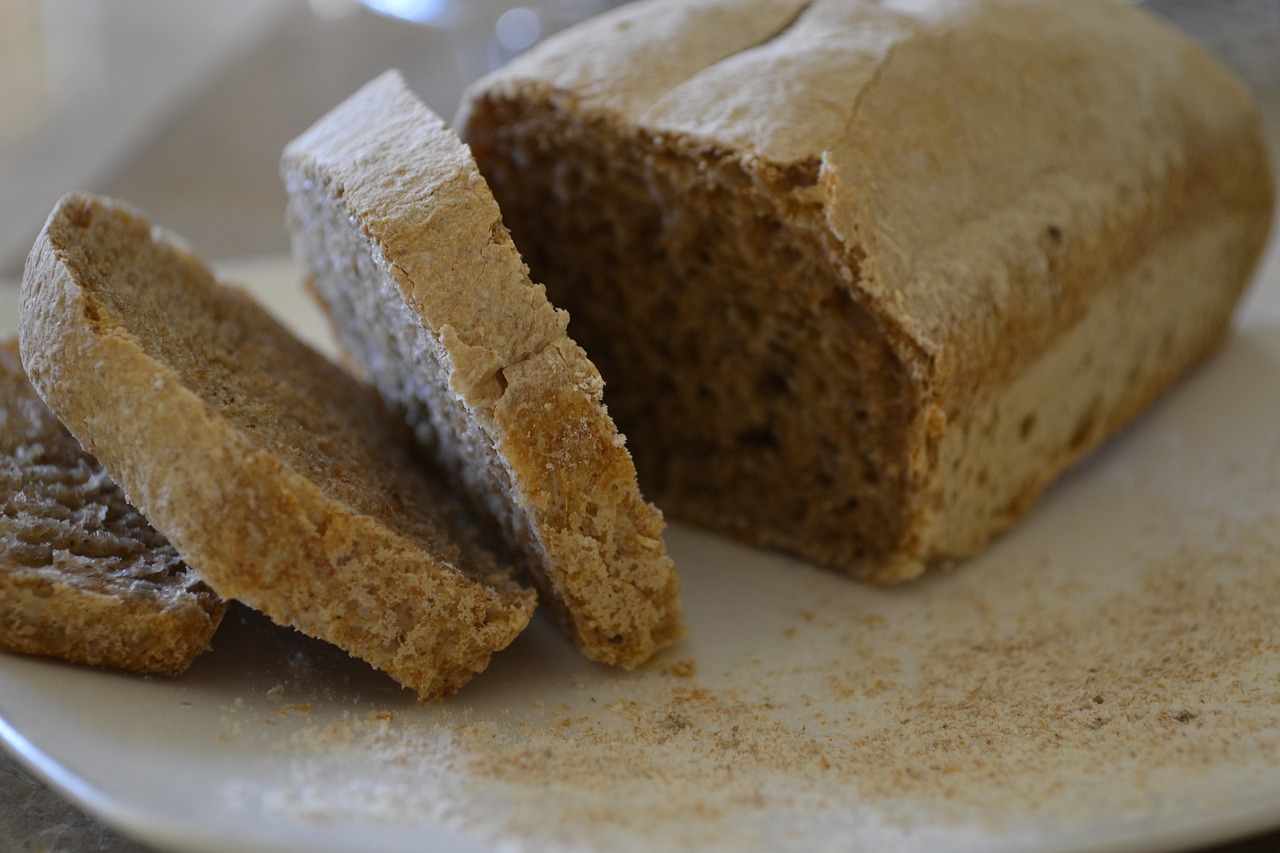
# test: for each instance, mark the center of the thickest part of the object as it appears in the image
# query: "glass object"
(488, 33)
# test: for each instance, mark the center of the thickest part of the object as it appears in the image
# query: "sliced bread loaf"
(83, 576)
(404, 245)
(865, 277)
(274, 473)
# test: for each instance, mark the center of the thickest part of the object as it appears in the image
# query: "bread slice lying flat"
(83, 576)
(406, 249)
(865, 277)
(274, 473)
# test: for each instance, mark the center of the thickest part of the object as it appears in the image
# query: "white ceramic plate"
(1106, 676)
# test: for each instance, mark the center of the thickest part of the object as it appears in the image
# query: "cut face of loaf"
(275, 474)
(405, 248)
(863, 278)
(83, 576)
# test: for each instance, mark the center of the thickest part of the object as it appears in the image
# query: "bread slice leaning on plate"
(274, 473)
(83, 576)
(404, 245)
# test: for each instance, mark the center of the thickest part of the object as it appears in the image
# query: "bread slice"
(83, 576)
(864, 277)
(405, 247)
(274, 473)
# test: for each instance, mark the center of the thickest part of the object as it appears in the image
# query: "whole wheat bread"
(865, 277)
(274, 473)
(405, 247)
(83, 576)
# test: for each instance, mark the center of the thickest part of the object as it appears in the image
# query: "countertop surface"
(184, 108)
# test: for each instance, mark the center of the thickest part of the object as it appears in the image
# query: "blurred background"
(183, 107)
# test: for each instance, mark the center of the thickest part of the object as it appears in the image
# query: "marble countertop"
(184, 108)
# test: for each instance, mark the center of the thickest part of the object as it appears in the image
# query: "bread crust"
(83, 577)
(273, 472)
(405, 246)
(983, 180)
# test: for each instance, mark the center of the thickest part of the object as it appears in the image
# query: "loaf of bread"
(404, 245)
(275, 474)
(865, 277)
(83, 576)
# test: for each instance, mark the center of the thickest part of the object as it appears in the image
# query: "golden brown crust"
(273, 472)
(406, 249)
(83, 576)
(980, 180)
(607, 563)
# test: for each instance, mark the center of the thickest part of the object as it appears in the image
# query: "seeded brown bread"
(865, 277)
(405, 247)
(274, 473)
(83, 576)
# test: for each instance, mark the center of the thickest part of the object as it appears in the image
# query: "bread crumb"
(682, 668)
(998, 721)
(1022, 697)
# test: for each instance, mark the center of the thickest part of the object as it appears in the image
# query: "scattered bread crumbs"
(1027, 696)
(682, 668)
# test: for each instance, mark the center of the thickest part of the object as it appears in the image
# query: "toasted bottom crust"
(51, 618)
